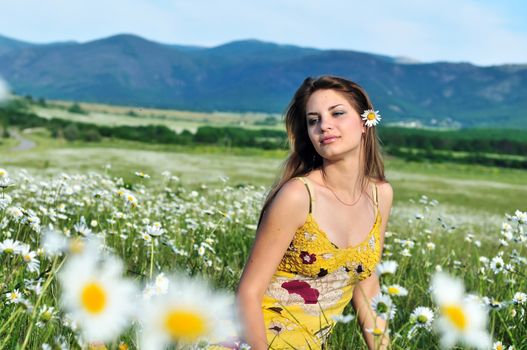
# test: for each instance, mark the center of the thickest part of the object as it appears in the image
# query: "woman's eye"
(338, 113)
(312, 121)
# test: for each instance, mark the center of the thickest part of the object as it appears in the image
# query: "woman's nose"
(325, 124)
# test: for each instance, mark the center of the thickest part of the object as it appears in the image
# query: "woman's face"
(333, 125)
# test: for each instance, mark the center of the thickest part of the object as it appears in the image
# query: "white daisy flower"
(383, 306)
(142, 175)
(29, 257)
(155, 229)
(54, 242)
(47, 313)
(146, 237)
(520, 216)
(484, 260)
(430, 246)
(506, 227)
(5, 201)
(386, 268)
(159, 287)
(377, 332)
(519, 298)
(82, 228)
(9, 246)
(343, 318)
(130, 200)
(461, 319)
(406, 252)
(96, 296)
(498, 346)
(497, 265)
(14, 297)
(181, 316)
(395, 290)
(422, 317)
(371, 117)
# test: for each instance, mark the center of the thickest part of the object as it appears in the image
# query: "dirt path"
(24, 144)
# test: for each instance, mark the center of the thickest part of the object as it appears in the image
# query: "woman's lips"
(328, 140)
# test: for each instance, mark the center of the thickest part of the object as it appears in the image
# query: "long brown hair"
(303, 157)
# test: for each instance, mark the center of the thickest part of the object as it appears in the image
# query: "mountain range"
(252, 75)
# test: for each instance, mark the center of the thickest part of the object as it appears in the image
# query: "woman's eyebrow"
(329, 109)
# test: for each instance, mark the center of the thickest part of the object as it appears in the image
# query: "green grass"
(469, 188)
(232, 235)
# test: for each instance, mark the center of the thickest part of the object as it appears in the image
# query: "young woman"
(321, 229)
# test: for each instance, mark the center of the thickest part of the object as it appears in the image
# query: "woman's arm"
(367, 289)
(363, 293)
(279, 223)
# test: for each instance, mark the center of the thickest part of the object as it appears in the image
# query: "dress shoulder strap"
(311, 194)
(375, 196)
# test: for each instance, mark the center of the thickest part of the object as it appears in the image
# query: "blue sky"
(482, 32)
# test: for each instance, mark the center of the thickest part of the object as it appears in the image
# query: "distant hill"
(252, 75)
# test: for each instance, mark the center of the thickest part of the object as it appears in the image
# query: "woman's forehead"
(325, 99)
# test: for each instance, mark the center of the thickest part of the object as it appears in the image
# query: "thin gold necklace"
(340, 200)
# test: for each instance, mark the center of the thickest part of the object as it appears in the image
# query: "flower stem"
(151, 258)
(35, 308)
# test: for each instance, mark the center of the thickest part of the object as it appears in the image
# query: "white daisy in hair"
(96, 296)
(461, 319)
(371, 117)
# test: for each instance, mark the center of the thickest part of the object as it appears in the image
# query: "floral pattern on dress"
(307, 258)
(312, 294)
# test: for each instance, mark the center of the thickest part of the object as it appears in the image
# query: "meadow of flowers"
(89, 261)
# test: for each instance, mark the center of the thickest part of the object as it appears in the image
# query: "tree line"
(480, 147)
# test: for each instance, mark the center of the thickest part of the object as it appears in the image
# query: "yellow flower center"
(184, 325)
(456, 316)
(393, 290)
(499, 347)
(93, 298)
(76, 245)
(377, 331)
(422, 319)
(371, 116)
(9, 250)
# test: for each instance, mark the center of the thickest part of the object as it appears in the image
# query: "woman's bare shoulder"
(384, 189)
(292, 200)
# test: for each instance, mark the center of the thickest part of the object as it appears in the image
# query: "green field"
(229, 183)
(109, 115)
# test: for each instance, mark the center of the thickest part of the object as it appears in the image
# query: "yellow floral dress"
(314, 282)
